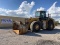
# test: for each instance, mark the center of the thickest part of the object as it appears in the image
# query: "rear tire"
(50, 25)
(35, 26)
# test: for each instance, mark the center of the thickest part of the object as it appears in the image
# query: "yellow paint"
(16, 31)
(31, 20)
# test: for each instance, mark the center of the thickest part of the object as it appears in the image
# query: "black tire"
(33, 26)
(50, 25)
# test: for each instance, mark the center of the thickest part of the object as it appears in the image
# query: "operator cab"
(41, 15)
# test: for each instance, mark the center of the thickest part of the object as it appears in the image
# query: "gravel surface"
(47, 42)
(8, 37)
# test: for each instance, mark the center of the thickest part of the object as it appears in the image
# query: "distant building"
(7, 21)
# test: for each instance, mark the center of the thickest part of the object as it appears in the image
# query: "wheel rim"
(51, 26)
(37, 27)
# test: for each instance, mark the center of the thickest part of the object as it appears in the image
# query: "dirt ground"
(44, 37)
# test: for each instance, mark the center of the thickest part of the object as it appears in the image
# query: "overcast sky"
(26, 8)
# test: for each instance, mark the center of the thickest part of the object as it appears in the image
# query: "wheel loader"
(40, 21)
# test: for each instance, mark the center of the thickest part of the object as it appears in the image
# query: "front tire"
(35, 26)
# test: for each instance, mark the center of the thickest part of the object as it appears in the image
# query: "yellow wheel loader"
(40, 21)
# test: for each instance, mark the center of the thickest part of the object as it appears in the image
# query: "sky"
(27, 8)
